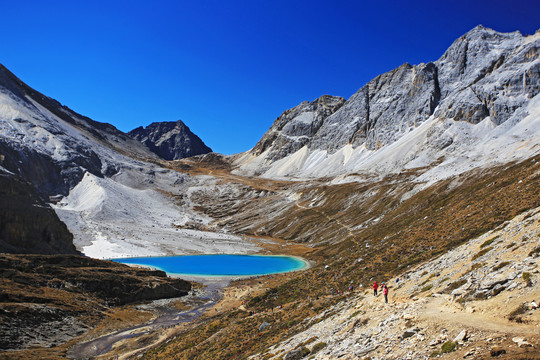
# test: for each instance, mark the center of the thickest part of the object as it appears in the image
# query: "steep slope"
(48, 299)
(52, 146)
(101, 180)
(453, 114)
(366, 231)
(27, 224)
(170, 140)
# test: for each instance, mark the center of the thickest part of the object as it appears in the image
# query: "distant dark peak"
(170, 140)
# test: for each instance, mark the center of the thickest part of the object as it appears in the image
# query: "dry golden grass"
(429, 223)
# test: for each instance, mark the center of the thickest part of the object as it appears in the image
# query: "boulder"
(263, 326)
(461, 337)
(497, 351)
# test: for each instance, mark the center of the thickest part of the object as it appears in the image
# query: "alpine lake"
(220, 265)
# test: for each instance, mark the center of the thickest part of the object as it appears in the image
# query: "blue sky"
(228, 69)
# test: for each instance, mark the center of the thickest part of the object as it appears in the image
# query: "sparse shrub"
(309, 341)
(304, 351)
(448, 347)
(488, 242)
(481, 252)
(477, 266)
(354, 314)
(510, 245)
(423, 273)
(434, 275)
(501, 265)
(527, 278)
(426, 288)
(444, 280)
(454, 285)
(520, 310)
(481, 296)
(318, 347)
(435, 353)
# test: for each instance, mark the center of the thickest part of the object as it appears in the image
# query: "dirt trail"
(436, 310)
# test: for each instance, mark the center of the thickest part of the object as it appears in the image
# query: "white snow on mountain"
(124, 214)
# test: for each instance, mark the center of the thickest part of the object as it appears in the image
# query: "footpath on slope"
(483, 296)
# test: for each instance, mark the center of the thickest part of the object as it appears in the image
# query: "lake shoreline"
(303, 264)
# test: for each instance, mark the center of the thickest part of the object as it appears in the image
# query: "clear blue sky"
(228, 69)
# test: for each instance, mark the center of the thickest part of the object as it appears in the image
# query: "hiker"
(375, 287)
(385, 293)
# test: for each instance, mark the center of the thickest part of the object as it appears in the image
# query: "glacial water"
(220, 265)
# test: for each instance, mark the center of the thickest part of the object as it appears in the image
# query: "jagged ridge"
(170, 140)
(484, 76)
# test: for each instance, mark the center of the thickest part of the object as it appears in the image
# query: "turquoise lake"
(220, 265)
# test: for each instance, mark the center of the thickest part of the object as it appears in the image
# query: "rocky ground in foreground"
(46, 300)
(477, 301)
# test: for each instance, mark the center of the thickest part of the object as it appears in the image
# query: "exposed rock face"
(52, 146)
(170, 140)
(27, 224)
(484, 75)
(383, 110)
(46, 300)
(487, 73)
(296, 127)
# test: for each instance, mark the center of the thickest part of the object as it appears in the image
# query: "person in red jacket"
(385, 293)
(375, 287)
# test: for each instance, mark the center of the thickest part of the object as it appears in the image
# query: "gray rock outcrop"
(170, 140)
(297, 127)
(483, 74)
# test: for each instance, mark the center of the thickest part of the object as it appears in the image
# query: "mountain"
(52, 146)
(113, 193)
(475, 106)
(49, 150)
(428, 175)
(170, 140)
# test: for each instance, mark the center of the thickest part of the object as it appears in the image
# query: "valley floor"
(476, 300)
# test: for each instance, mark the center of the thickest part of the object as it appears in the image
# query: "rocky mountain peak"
(484, 75)
(296, 126)
(170, 140)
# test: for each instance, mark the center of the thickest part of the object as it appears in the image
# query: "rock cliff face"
(296, 127)
(48, 149)
(27, 224)
(485, 76)
(170, 140)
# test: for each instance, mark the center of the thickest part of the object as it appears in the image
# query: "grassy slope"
(427, 224)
